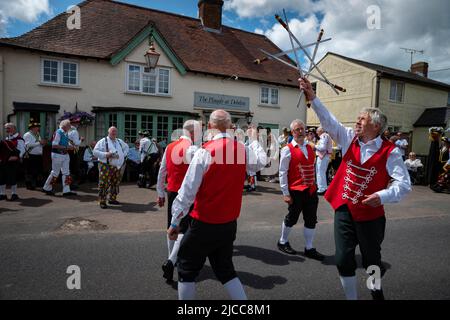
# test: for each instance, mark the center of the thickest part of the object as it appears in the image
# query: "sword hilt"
(339, 88)
(319, 38)
(259, 61)
(281, 21)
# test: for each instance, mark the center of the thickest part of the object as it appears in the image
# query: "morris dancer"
(299, 190)
(12, 152)
(110, 152)
(33, 155)
(360, 189)
(60, 160)
(174, 164)
(213, 183)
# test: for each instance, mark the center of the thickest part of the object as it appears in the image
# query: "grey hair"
(296, 121)
(220, 118)
(377, 117)
(64, 123)
(191, 126)
(10, 125)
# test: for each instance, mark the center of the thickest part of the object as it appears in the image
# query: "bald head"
(112, 132)
(220, 120)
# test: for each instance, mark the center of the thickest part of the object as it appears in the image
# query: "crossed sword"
(302, 73)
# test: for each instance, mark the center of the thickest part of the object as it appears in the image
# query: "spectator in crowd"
(402, 144)
(134, 161)
(413, 164)
(90, 163)
(32, 157)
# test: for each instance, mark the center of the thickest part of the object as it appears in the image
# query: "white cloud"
(422, 25)
(24, 10)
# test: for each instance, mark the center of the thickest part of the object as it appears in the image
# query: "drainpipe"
(377, 90)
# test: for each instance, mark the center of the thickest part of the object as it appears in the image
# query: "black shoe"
(377, 294)
(14, 197)
(113, 202)
(286, 248)
(49, 193)
(3, 197)
(321, 193)
(68, 194)
(103, 205)
(168, 268)
(314, 254)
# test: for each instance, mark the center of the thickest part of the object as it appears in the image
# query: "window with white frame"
(148, 81)
(269, 96)
(397, 91)
(59, 72)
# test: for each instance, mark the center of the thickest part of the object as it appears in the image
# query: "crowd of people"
(201, 181)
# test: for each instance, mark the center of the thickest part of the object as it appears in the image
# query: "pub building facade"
(104, 68)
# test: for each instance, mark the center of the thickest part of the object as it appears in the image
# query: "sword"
(285, 53)
(291, 36)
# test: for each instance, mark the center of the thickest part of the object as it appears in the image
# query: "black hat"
(33, 124)
(144, 133)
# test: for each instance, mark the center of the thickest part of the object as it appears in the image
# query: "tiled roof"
(433, 117)
(386, 71)
(108, 26)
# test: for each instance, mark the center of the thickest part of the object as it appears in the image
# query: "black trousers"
(184, 224)
(212, 241)
(8, 173)
(33, 170)
(349, 233)
(74, 165)
(302, 202)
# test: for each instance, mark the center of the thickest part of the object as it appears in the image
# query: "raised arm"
(340, 134)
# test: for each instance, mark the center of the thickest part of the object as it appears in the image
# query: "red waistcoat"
(176, 163)
(301, 174)
(219, 197)
(353, 181)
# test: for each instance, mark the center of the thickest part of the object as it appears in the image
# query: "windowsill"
(397, 102)
(57, 85)
(148, 94)
(273, 106)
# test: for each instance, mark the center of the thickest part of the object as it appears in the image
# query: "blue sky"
(416, 24)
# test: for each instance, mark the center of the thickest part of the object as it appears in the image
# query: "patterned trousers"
(108, 181)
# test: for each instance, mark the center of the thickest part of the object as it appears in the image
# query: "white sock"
(235, 289)
(186, 290)
(174, 254)
(3, 190)
(170, 244)
(309, 237)
(14, 189)
(284, 233)
(349, 285)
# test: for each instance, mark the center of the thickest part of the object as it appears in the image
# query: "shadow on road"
(260, 190)
(135, 207)
(330, 261)
(267, 256)
(248, 279)
(33, 202)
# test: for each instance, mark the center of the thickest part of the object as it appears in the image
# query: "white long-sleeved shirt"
(413, 164)
(402, 144)
(74, 136)
(324, 146)
(114, 146)
(344, 137)
(256, 159)
(20, 144)
(162, 174)
(285, 160)
(33, 143)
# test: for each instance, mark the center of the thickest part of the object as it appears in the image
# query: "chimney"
(420, 68)
(210, 13)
